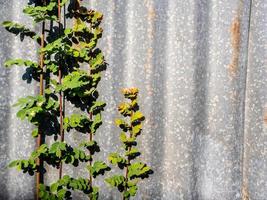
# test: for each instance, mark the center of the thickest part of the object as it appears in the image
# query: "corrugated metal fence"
(201, 66)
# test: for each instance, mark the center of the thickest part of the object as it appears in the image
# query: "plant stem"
(39, 174)
(60, 93)
(128, 163)
(91, 139)
(91, 160)
(78, 4)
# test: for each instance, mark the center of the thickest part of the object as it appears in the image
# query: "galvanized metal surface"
(201, 67)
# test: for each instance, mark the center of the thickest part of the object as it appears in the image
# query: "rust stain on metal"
(265, 115)
(151, 16)
(235, 43)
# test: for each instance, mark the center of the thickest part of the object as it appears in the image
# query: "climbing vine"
(69, 68)
(131, 128)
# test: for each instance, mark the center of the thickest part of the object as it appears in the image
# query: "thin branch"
(39, 174)
(60, 93)
(128, 162)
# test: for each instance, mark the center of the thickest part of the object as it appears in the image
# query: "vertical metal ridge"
(244, 187)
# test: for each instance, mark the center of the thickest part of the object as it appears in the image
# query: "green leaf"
(21, 62)
(54, 187)
(61, 193)
(139, 170)
(95, 79)
(133, 153)
(92, 146)
(96, 123)
(52, 66)
(99, 167)
(33, 108)
(79, 25)
(132, 190)
(130, 93)
(32, 71)
(76, 119)
(97, 62)
(68, 31)
(76, 79)
(62, 146)
(35, 133)
(97, 107)
(43, 148)
(127, 140)
(116, 159)
(137, 117)
(21, 114)
(136, 129)
(21, 102)
(80, 155)
(74, 185)
(17, 29)
(58, 153)
(63, 2)
(80, 122)
(56, 148)
(65, 179)
(125, 109)
(41, 13)
(51, 104)
(116, 180)
(122, 124)
(94, 194)
(96, 18)
(13, 163)
(126, 195)
(42, 192)
(49, 7)
(25, 163)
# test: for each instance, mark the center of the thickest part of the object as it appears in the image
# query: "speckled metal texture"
(201, 66)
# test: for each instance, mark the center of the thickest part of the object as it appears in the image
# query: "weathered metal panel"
(201, 68)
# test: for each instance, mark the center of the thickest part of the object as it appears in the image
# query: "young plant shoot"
(131, 126)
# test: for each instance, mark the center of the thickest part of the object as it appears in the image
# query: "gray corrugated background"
(201, 66)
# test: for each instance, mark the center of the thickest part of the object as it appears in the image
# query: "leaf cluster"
(44, 12)
(62, 188)
(19, 29)
(63, 54)
(54, 155)
(65, 50)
